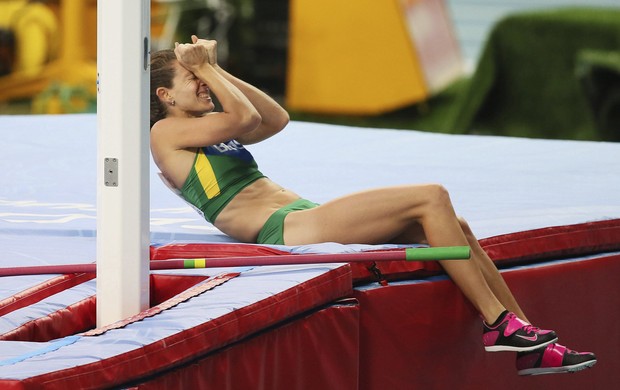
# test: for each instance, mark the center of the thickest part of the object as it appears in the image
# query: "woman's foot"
(510, 333)
(553, 359)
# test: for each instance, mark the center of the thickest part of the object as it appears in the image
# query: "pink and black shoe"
(510, 333)
(553, 359)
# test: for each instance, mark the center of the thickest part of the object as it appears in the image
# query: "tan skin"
(405, 214)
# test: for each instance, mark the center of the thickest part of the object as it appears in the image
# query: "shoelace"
(530, 329)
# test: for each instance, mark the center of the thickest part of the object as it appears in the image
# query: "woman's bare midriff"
(244, 216)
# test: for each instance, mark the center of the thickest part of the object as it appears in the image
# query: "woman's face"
(190, 94)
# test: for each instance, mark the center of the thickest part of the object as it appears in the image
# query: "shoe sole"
(558, 370)
(508, 348)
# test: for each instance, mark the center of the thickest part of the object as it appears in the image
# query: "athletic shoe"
(514, 334)
(553, 359)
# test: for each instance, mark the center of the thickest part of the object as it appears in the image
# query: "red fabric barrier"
(427, 335)
(205, 338)
(71, 320)
(394, 270)
(317, 351)
(81, 316)
(192, 251)
(42, 291)
(555, 242)
(164, 287)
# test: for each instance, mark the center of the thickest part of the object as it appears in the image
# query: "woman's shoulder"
(162, 125)
(164, 133)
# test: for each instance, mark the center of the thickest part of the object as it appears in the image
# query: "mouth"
(204, 95)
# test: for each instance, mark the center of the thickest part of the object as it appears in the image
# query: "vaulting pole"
(406, 254)
(123, 44)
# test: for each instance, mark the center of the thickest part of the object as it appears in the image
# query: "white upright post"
(123, 45)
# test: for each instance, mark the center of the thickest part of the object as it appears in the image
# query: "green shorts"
(273, 230)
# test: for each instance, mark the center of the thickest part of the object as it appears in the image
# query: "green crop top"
(219, 173)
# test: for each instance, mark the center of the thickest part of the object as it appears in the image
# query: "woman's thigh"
(372, 217)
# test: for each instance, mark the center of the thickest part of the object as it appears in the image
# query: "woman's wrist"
(203, 67)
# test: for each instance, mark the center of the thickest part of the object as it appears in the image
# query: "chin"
(202, 112)
(208, 105)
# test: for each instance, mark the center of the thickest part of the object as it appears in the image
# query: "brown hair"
(162, 73)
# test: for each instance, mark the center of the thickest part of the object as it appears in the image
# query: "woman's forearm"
(274, 116)
(233, 100)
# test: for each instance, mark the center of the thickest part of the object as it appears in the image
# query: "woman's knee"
(427, 200)
(438, 195)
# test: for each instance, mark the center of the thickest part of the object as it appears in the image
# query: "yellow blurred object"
(368, 56)
(72, 53)
(35, 24)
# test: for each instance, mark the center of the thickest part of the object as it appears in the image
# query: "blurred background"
(507, 67)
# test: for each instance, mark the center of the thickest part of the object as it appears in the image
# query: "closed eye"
(191, 79)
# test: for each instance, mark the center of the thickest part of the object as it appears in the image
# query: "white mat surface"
(501, 185)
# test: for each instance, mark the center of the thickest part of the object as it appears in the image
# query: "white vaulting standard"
(122, 158)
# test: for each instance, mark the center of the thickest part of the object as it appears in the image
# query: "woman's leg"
(491, 274)
(382, 215)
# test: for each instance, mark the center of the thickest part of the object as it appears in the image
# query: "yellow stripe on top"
(206, 175)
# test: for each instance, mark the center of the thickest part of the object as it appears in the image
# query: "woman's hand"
(199, 52)
(190, 55)
(210, 45)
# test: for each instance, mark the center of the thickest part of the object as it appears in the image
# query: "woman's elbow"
(276, 122)
(282, 121)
